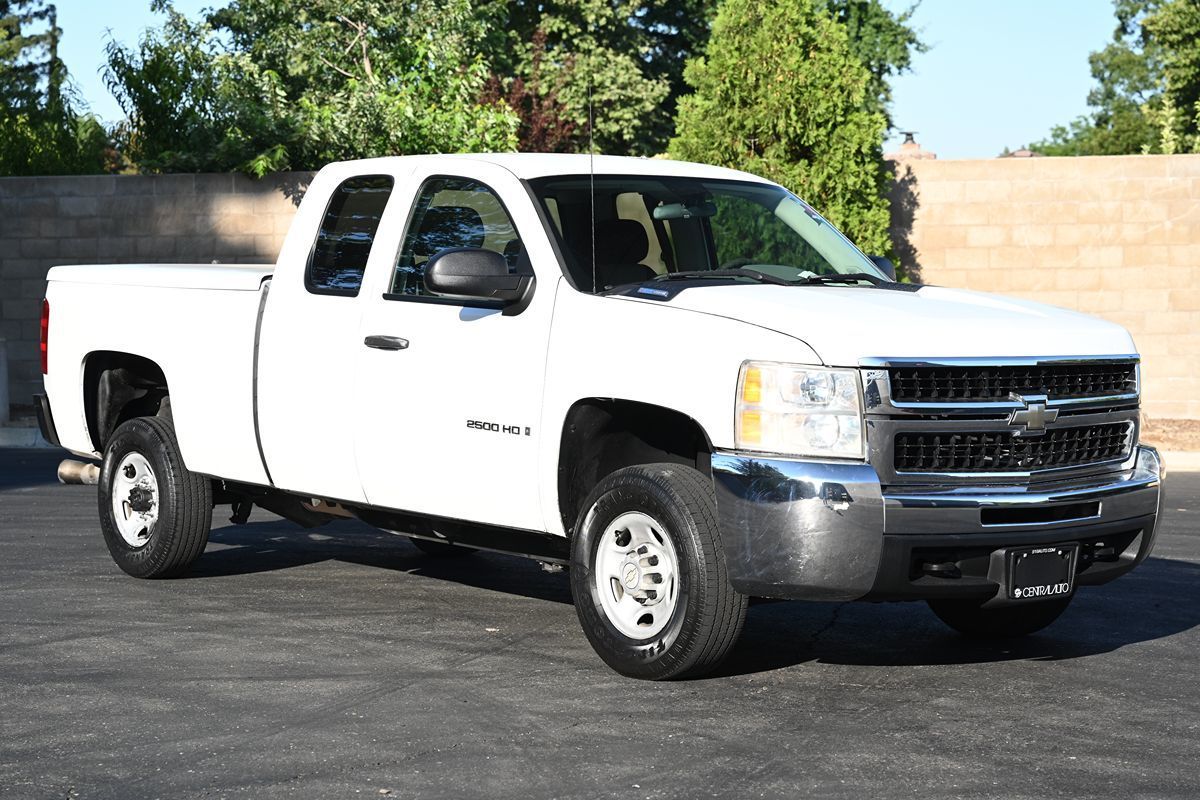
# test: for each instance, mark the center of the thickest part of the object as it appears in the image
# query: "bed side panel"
(203, 339)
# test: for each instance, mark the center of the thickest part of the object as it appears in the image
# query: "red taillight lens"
(45, 334)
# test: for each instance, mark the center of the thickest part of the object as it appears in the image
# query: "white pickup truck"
(679, 381)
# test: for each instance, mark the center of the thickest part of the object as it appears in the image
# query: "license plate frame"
(1043, 572)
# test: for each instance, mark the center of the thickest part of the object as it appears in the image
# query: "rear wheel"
(155, 514)
(1003, 622)
(648, 574)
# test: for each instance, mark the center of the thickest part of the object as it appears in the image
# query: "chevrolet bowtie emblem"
(1034, 416)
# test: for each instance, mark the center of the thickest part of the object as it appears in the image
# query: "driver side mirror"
(472, 273)
(884, 265)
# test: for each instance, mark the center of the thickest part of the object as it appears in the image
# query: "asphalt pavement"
(341, 662)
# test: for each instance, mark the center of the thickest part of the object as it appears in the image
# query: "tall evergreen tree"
(40, 131)
(781, 92)
(28, 52)
(884, 42)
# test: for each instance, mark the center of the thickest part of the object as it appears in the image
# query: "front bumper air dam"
(825, 530)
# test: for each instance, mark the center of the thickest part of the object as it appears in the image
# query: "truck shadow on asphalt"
(276, 545)
(1160, 599)
(25, 468)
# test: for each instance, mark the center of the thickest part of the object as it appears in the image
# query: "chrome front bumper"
(826, 530)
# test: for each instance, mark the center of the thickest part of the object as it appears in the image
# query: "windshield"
(651, 228)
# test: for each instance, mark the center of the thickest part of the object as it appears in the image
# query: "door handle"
(386, 342)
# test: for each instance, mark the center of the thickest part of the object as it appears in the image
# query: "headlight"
(798, 410)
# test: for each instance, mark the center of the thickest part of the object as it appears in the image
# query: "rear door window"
(339, 255)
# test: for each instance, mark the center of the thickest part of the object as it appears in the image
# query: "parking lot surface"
(341, 662)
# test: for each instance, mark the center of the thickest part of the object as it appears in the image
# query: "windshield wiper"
(719, 274)
(845, 277)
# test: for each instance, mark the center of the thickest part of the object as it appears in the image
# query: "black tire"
(708, 614)
(184, 502)
(440, 549)
(1003, 622)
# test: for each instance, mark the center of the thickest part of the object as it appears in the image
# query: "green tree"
(41, 133)
(546, 124)
(1127, 79)
(27, 56)
(781, 92)
(1147, 85)
(633, 54)
(261, 85)
(884, 42)
(190, 107)
(677, 30)
(609, 56)
(1174, 27)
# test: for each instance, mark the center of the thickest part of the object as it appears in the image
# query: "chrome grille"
(1004, 451)
(971, 383)
(961, 421)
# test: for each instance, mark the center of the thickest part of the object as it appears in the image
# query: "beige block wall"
(1115, 236)
(98, 219)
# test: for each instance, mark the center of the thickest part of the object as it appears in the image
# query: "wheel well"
(601, 436)
(118, 387)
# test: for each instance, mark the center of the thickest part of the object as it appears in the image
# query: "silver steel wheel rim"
(637, 575)
(135, 499)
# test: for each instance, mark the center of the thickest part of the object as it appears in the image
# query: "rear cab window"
(339, 255)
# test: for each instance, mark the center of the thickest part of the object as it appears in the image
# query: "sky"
(998, 73)
(87, 26)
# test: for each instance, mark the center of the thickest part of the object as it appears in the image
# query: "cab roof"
(539, 165)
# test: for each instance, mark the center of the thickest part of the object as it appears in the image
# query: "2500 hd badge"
(495, 427)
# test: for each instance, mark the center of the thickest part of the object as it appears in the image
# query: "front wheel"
(154, 512)
(648, 574)
(969, 618)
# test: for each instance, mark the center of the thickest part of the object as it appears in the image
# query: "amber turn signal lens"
(752, 385)
(751, 427)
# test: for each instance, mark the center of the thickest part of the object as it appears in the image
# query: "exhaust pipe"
(78, 472)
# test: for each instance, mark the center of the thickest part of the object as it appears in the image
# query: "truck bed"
(196, 321)
(234, 277)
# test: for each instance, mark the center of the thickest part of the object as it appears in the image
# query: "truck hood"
(843, 324)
